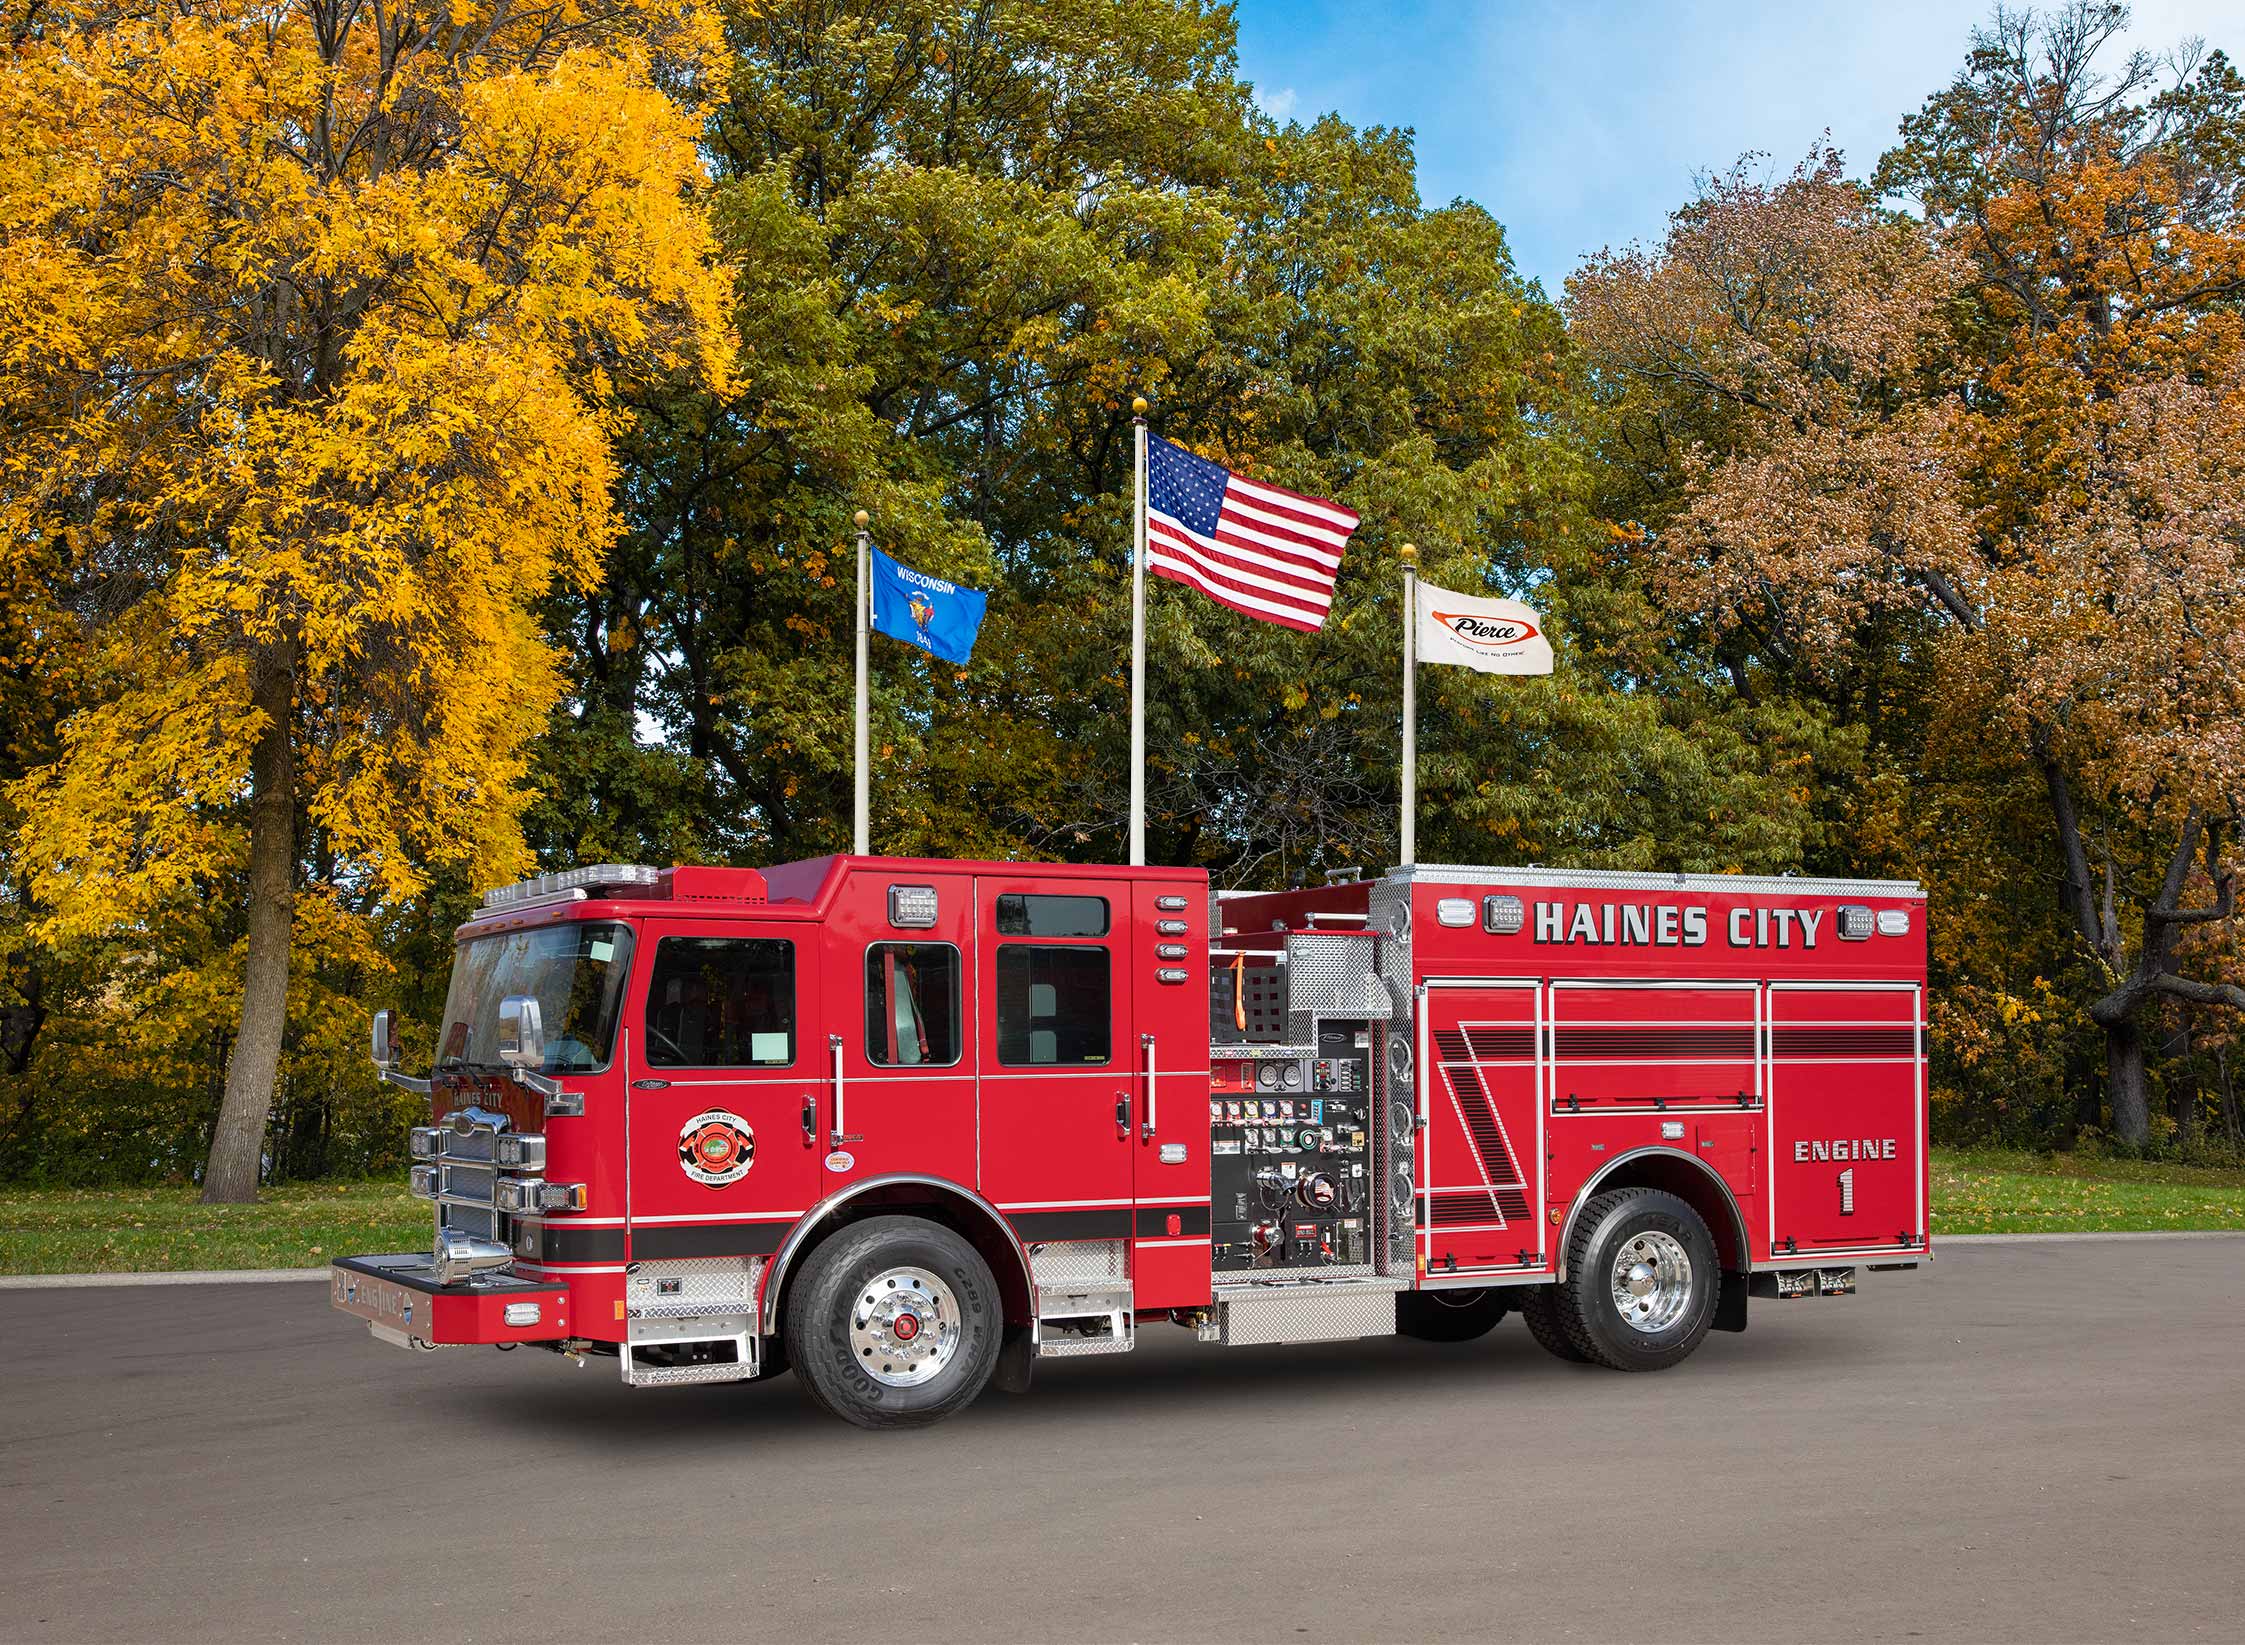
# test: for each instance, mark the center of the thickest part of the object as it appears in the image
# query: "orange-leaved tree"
(315, 316)
(2001, 447)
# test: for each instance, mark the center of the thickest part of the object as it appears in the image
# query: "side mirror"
(385, 1048)
(522, 1037)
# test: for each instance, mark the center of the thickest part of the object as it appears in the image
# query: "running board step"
(663, 1353)
(668, 1376)
(1083, 1322)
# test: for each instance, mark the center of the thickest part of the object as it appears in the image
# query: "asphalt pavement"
(2032, 1442)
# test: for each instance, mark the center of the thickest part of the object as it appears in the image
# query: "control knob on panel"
(1268, 1237)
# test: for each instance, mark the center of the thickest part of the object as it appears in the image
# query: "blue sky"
(1581, 126)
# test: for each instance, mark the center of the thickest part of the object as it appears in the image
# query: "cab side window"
(912, 1015)
(1055, 1003)
(722, 1002)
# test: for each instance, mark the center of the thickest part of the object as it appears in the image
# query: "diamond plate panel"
(1330, 974)
(1308, 1314)
(695, 1285)
(1077, 1262)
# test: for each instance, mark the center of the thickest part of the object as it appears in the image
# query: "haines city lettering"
(1671, 925)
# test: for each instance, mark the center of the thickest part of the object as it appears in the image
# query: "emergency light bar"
(599, 877)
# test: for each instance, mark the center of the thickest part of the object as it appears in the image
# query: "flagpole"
(862, 831)
(1138, 642)
(1410, 557)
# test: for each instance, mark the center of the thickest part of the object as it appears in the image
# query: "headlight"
(421, 1182)
(520, 1150)
(426, 1142)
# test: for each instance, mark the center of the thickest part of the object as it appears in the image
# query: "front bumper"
(403, 1302)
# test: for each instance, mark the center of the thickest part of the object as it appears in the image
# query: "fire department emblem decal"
(716, 1148)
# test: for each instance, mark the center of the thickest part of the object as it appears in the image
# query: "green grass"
(1991, 1192)
(141, 1230)
(147, 1230)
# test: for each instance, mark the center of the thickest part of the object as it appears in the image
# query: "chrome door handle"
(1146, 1044)
(1122, 1114)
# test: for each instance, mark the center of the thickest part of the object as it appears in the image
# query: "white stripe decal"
(1280, 497)
(1188, 572)
(1214, 565)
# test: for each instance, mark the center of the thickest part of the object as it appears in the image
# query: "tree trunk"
(2124, 1082)
(237, 1143)
(2182, 1086)
(2229, 1096)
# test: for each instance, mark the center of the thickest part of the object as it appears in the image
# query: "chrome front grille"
(467, 1184)
(479, 1220)
(471, 1234)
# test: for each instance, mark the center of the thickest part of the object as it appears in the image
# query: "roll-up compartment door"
(1481, 1181)
(1846, 1117)
(1653, 1047)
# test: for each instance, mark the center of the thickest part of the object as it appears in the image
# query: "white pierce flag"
(1494, 636)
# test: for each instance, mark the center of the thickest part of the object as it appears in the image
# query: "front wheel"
(1448, 1316)
(896, 1323)
(1642, 1281)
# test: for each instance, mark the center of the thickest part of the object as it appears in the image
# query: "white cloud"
(1279, 104)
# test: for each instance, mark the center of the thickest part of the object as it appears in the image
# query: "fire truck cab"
(910, 1125)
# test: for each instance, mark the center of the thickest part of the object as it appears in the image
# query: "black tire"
(1448, 1316)
(1539, 1308)
(841, 1280)
(1585, 1308)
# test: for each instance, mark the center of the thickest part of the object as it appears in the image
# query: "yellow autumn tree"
(314, 321)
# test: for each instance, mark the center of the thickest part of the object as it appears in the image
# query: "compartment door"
(1481, 1138)
(1847, 1165)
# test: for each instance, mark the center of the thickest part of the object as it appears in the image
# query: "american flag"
(1257, 548)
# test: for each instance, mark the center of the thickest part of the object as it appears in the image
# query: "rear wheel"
(1448, 1316)
(1539, 1310)
(895, 1323)
(1642, 1281)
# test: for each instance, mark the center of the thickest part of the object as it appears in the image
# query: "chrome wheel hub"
(1652, 1281)
(904, 1327)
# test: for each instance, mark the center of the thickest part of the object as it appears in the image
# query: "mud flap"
(1016, 1355)
(1730, 1304)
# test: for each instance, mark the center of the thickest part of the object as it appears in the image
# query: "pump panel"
(1290, 1157)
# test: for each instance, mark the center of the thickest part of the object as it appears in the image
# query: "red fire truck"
(908, 1126)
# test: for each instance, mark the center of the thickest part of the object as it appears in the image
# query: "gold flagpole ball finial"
(862, 518)
(1409, 553)
(1138, 405)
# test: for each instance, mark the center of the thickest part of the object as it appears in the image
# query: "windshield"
(576, 974)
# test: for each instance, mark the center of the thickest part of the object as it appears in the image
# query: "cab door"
(900, 1063)
(723, 1090)
(1171, 1264)
(1053, 1023)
